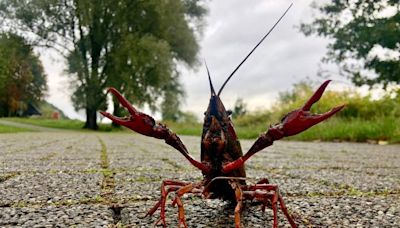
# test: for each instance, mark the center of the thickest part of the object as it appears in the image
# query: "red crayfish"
(222, 160)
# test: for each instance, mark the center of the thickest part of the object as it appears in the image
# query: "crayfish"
(222, 162)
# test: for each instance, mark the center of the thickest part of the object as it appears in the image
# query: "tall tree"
(365, 38)
(131, 45)
(22, 79)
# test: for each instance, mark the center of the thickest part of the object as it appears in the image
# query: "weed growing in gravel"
(19, 204)
(8, 175)
(172, 163)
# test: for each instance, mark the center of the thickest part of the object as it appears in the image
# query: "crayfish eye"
(229, 112)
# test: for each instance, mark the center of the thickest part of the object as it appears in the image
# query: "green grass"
(335, 129)
(354, 130)
(339, 129)
(185, 128)
(10, 129)
(250, 132)
(51, 123)
(60, 124)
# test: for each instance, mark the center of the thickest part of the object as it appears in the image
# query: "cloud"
(59, 93)
(233, 29)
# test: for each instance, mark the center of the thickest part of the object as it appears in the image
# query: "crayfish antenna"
(209, 79)
(258, 44)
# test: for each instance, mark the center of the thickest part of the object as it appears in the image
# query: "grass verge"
(194, 129)
(354, 130)
(11, 129)
(60, 124)
(335, 129)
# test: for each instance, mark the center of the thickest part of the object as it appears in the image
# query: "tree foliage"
(131, 45)
(22, 79)
(366, 38)
(239, 108)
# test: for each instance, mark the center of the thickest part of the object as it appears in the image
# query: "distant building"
(32, 111)
(55, 115)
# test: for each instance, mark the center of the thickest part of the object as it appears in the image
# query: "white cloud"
(286, 56)
(59, 93)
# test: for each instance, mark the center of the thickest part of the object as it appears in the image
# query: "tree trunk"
(91, 119)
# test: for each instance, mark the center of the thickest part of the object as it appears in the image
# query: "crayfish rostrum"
(222, 160)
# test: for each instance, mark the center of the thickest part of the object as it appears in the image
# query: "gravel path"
(74, 179)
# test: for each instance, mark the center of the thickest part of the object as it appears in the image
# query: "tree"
(239, 108)
(22, 79)
(366, 38)
(131, 45)
(170, 106)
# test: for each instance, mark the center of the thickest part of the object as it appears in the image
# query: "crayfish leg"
(239, 203)
(167, 186)
(269, 194)
(180, 188)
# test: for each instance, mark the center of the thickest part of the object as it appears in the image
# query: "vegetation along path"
(110, 179)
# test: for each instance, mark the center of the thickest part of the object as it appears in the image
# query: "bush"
(361, 120)
(357, 106)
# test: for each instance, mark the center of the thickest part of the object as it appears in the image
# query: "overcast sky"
(232, 29)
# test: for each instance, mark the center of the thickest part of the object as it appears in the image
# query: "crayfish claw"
(118, 120)
(322, 117)
(316, 96)
(122, 100)
(301, 119)
(136, 121)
